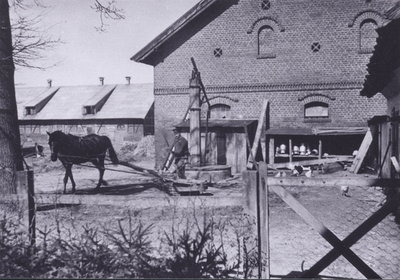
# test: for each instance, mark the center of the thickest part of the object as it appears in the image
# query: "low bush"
(126, 251)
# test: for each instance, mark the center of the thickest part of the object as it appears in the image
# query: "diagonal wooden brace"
(325, 233)
(352, 238)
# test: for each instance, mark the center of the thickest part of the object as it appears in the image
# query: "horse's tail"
(112, 153)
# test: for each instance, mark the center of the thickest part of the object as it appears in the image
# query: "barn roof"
(30, 96)
(128, 101)
(157, 45)
(131, 101)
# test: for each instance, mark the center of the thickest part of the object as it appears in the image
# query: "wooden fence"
(260, 183)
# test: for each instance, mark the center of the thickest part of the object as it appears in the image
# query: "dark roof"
(224, 123)
(189, 24)
(384, 60)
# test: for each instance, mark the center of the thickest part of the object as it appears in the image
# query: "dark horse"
(71, 149)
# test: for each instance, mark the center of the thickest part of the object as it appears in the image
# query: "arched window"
(266, 40)
(368, 35)
(220, 111)
(316, 110)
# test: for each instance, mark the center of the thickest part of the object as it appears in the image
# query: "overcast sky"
(87, 54)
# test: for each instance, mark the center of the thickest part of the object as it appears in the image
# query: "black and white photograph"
(166, 139)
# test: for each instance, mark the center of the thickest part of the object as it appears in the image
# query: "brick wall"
(335, 72)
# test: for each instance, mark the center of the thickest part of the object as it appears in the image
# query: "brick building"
(307, 57)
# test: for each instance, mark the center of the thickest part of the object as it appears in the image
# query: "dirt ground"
(294, 245)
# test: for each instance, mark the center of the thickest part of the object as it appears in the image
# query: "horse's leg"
(102, 170)
(99, 163)
(72, 178)
(65, 178)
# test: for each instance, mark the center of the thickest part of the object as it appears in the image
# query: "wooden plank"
(241, 152)
(231, 152)
(249, 147)
(261, 120)
(263, 139)
(250, 192)
(351, 239)
(271, 151)
(310, 162)
(395, 164)
(263, 224)
(386, 151)
(333, 182)
(362, 152)
(319, 149)
(325, 232)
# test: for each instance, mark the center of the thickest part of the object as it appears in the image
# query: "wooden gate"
(266, 183)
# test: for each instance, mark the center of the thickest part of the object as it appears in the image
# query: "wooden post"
(195, 137)
(250, 206)
(290, 151)
(271, 150)
(320, 148)
(25, 196)
(31, 208)
(259, 135)
(263, 222)
(362, 152)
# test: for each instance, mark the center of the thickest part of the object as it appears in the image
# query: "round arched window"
(220, 111)
(316, 110)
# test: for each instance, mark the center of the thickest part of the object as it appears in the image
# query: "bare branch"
(107, 11)
(30, 42)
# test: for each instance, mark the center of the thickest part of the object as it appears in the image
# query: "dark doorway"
(221, 148)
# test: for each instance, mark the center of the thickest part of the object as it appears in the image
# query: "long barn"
(124, 112)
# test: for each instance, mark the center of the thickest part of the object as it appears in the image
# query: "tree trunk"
(10, 147)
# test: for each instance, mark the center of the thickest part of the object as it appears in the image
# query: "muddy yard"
(294, 245)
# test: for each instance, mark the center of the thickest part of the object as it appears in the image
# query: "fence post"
(25, 194)
(263, 222)
(256, 204)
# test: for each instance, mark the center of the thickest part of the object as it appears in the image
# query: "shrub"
(126, 251)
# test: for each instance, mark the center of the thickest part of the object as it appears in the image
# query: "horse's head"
(54, 142)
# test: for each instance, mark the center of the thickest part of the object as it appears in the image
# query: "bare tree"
(30, 42)
(10, 149)
(107, 10)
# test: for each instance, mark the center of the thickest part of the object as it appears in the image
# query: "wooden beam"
(263, 224)
(362, 152)
(310, 162)
(325, 232)
(320, 148)
(271, 151)
(351, 239)
(260, 125)
(395, 164)
(251, 156)
(332, 182)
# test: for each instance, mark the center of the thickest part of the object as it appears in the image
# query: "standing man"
(181, 153)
